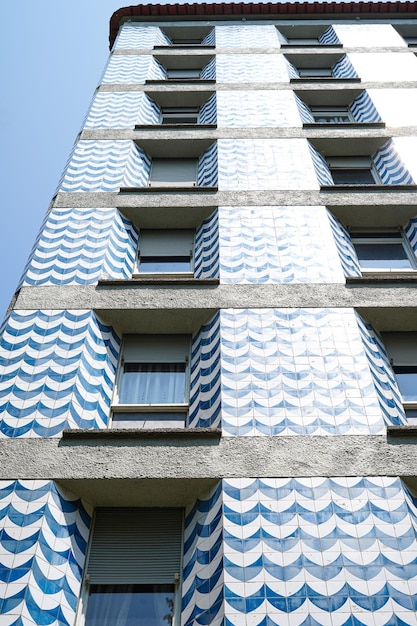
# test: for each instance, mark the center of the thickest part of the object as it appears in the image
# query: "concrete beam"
(120, 468)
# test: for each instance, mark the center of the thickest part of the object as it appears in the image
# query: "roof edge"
(270, 9)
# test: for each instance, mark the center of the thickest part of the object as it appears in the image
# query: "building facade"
(209, 370)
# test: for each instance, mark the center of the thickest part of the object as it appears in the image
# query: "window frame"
(176, 163)
(401, 358)
(168, 233)
(160, 355)
(381, 237)
(353, 163)
(81, 613)
(178, 113)
(332, 110)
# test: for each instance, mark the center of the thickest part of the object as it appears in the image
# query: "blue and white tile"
(368, 36)
(134, 35)
(383, 67)
(252, 109)
(105, 166)
(250, 68)
(58, 372)
(121, 110)
(277, 244)
(265, 164)
(42, 583)
(246, 36)
(80, 246)
(132, 70)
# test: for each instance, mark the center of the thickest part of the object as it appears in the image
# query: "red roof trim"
(267, 9)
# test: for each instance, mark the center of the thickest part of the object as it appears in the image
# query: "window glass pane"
(185, 73)
(315, 71)
(149, 420)
(130, 605)
(164, 264)
(407, 382)
(351, 176)
(153, 383)
(329, 117)
(383, 255)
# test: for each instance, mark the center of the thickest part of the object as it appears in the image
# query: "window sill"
(175, 126)
(167, 189)
(134, 433)
(197, 81)
(344, 125)
(402, 431)
(324, 79)
(383, 277)
(371, 188)
(158, 280)
(184, 46)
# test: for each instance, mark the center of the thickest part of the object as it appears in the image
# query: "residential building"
(208, 392)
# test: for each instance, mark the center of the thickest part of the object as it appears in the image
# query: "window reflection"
(130, 605)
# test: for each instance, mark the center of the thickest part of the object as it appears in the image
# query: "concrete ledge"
(114, 470)
(275, 197)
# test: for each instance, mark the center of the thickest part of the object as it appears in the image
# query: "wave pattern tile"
(320, 165)
(205, 377)
(384, 66)
(384, 380)
(122, 110)
(247, 36)
(132, 69)
(319, 551)
(43, 541)
(142, 37)
(202, 589)
(390, 167)
(58, 370)
(329, 37)
(80, 246)
(411, 232)
(206, 253)
(249, 109)
(208, 111)
(344, 69)
(209, 71)
(263, 164)
(304, 110)
(296, 371)
(207, 168)
(345, 248)
(363, 109)
(251, 68)
(105, 166)
(277, 244)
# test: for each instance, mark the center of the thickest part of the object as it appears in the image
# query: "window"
(134, 567)
(332, 114)
(188, 73)
(152, 386)
(165, 251)
(315, 72)
(358, 170)
(402, 350)
(173, 173)
(387, 251)
(179, 115)
(188, 35)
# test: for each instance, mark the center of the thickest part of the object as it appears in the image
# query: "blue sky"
(52, 57)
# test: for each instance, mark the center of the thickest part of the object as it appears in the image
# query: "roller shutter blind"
(173, 172)
(136, 546)
(166, 242)
(156, 348)
(401, 347)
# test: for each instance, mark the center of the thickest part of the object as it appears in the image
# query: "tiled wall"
(43, 542)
